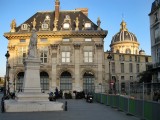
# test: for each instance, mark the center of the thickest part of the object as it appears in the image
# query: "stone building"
(154, 16)
(71, 48)
(126, 61)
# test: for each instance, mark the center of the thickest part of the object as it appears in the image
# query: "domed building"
(124, 41)
(125, 61)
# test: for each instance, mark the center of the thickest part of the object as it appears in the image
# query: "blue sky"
(134, 12)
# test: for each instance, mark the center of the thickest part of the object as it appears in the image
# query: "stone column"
(54, 67)
(100, 62)
(78, 82)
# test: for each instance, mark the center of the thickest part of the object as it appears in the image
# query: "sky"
(111, 12)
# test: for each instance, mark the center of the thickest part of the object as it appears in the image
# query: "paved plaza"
(77, 110)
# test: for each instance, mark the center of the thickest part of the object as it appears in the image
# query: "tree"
(145, 76)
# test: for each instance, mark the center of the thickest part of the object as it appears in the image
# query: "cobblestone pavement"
(77, 110)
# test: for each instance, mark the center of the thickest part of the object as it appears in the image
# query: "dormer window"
(87, 25)
(24, 27)
(66, 26)
(45, 26)
(47, 19)
(66, 22)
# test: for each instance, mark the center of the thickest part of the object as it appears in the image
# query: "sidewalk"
(77, 110)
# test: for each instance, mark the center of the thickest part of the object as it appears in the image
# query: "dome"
(142, 52)
(123, 35)
(124, 41)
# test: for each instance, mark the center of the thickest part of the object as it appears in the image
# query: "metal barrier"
(148, 110)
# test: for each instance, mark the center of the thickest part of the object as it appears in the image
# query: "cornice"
(49, 34)
(124, 42)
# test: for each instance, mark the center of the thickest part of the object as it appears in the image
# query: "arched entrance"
(44, 79)
(19, 82)
(88, 82)
(66, 81)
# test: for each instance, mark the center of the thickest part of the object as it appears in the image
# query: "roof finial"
(122, 16)
(123, 26)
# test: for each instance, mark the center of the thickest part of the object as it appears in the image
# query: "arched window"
(128, 51)
(66, 81)
(44, 79)
(88, 82)
(117, 51)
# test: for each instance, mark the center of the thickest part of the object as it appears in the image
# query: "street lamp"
(7, 55)
(109, 57)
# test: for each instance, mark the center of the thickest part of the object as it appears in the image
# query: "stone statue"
(55, 25)
(32, 48)
(98, 23)
(77, 23)
(34, 23)
(13, 25)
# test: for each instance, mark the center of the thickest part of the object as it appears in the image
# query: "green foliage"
(145, 76)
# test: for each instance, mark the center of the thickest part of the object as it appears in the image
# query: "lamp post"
(7, 55)
(109, 57)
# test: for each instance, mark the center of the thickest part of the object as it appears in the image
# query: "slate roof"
(40, 17)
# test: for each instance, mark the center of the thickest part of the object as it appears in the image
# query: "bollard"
(65, 107)
(2, 105)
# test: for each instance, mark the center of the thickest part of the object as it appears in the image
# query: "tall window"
(156, 35)
(130, 67)
(88, 57)
(65, 57)
(43, 54)
(128, 51)
(130, 58)
(113, 67)
(136, 58)
(44, 78)
(158, 55)
(66, 81)
(21, 54)
(121, 57)
(137, 66)
(122, 67)
(131, 78)
(88, 82)
(122, 78)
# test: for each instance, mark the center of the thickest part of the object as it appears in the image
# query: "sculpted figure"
(34, 23)
(32, 48)
(55, 25)
(13, 25)
(98, 23)
(77, 23)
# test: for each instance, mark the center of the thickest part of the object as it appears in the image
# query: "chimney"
(57, 5)
(84, 10)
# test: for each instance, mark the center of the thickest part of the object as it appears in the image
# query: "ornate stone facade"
(71, 50)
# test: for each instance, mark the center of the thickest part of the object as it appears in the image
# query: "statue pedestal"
(32, 99)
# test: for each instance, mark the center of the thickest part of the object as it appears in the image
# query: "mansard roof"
(40, 17)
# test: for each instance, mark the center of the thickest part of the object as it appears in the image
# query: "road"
(77, 110)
